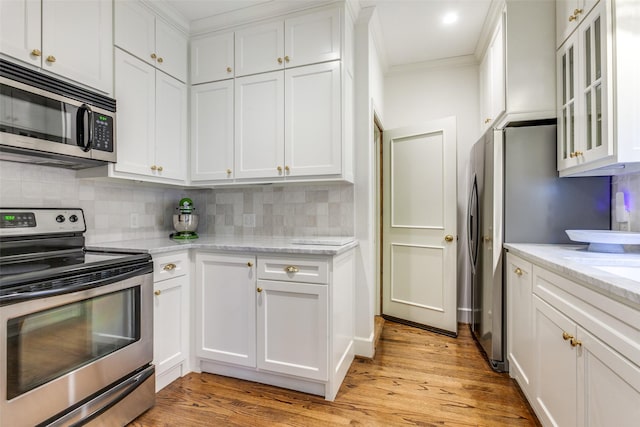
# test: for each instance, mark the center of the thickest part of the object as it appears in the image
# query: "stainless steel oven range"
(76, 326)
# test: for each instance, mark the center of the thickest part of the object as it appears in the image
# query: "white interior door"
(419, 225)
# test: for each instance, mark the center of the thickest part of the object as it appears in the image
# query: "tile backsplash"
(630, 185)
(265, 210)
(292, 210)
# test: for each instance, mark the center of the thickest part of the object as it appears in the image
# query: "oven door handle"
(18, 296)
(102, 403)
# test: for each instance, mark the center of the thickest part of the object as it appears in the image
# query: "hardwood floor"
(416, 378)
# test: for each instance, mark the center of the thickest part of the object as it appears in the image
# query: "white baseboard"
(464, 315)
(363, 347)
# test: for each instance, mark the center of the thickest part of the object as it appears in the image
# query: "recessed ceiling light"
(450, 18)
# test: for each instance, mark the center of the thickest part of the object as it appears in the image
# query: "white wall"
(415, 95)
(368, 93)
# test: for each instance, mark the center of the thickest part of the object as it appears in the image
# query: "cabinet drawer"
(169, 266)
(306, 270)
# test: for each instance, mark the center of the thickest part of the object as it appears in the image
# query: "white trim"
(456, 61)
(363, 347)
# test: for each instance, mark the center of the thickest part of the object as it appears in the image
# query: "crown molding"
(456, 61)
(256, 13)
(168, 13)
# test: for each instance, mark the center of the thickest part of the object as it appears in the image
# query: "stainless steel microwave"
(47, 121)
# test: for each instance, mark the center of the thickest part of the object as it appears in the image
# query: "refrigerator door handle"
(473, 216)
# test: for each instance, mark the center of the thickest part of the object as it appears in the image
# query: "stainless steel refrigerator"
(516, 196)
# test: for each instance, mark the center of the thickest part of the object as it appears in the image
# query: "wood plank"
(416, 378)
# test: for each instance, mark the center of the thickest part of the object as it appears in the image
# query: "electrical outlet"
(249, 220)
(134, 220)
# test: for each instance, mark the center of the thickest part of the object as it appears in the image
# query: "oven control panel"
(31, 221)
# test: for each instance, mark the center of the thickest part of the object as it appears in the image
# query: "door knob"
(448, 238)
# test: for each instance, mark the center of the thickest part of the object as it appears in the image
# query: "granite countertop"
(576, 263)
(332, 245)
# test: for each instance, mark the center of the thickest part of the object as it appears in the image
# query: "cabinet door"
(259, 126)
(312, 38)
(77, 41)
(212, 131)
(171, 127)
(569, 13)
(135, 29)
(593, 88)
(608, 385)
(313, 139)
(259, 48)
(135, 92)
(171, 50)
(566, 100)
(485, 91)
(170, 322)
(293, 328)
(497, 72)
(20, 26)
(520, 322)
(212, 58)
(555, 366)
(226, 308)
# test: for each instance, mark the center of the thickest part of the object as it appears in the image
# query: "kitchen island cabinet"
(288, 332)
(70, 39)
(585, 338)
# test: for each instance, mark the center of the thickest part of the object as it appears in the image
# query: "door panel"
(419, 225)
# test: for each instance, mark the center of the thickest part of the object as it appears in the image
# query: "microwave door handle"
(80, 128)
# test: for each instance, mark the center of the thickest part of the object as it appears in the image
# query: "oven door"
(58, 351)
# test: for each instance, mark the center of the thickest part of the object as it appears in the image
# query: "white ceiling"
(411, 31)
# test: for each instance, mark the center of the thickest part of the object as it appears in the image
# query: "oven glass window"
(45, 345)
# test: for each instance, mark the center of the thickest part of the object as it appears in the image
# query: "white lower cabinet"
(519, 316)
(171, 317)
(580, 351)
(284, 320)
(555, 366)
(226, 308)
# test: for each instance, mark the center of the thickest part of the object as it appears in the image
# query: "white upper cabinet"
(152, 122)
(140, 32)
(72, 39)
(492, 79)
(21, 30)
(259, 48)
(517, 71)
(312, 144)
(312, 38)
(292, 115)
(212, 131)
(259, 126)
(597, 107)
(301, 40)
(212, 58)
(569, 13)
(279, 133)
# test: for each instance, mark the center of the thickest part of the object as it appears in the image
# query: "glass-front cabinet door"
(582, 63)
(593, 86)
(567, 83)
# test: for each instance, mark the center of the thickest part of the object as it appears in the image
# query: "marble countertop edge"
(577, 264)
(157, 246)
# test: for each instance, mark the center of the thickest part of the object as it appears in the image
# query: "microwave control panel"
(102, 132)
